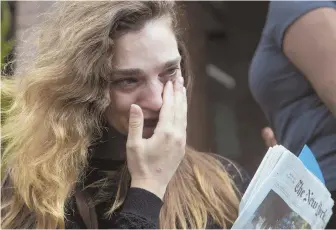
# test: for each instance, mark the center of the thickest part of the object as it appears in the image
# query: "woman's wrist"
(152, 186)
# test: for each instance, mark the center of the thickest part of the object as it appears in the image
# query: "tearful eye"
(125, 83)
(171, 72)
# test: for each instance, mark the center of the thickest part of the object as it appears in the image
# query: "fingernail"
(134, 109)
(184, 91)
(169, 84)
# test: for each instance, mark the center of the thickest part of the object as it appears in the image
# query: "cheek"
(118, 112)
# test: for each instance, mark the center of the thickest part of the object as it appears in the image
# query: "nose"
(151, 96)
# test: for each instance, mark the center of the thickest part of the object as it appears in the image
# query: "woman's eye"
(125, 83)
(171, 72)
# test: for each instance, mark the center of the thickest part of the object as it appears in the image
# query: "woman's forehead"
(154, 44)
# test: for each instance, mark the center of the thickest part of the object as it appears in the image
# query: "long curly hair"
(57, 113)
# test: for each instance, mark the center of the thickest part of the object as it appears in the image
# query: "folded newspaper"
(284, 194)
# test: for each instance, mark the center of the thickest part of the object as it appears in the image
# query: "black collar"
(109, 152)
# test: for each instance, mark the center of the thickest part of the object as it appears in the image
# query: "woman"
(106, 88)
(292, 76)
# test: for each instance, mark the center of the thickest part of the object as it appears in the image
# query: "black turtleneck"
(141, 208)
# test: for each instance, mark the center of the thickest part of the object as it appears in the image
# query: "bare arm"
(310, 44)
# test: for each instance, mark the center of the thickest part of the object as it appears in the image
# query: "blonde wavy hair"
(58, 113)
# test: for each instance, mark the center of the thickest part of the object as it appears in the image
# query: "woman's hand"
(152, 162)
(269, 137)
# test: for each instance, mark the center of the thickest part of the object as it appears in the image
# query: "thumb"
(135, 124)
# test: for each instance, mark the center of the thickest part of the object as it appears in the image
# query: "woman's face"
(144, 61)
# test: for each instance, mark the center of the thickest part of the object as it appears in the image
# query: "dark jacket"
(140, 210)
(87, 207)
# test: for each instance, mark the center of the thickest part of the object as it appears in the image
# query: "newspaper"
(283, 194)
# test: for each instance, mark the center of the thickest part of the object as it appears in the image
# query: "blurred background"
(222, 37)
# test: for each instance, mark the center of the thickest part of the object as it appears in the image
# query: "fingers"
(269, 137)
(180, 105)
(173, 114)
(135, 124)
(166, 117)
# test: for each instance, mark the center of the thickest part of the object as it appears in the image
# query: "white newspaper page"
(268, 163)
(290, 198)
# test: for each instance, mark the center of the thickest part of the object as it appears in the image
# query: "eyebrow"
(135, 72)
(172, 62)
